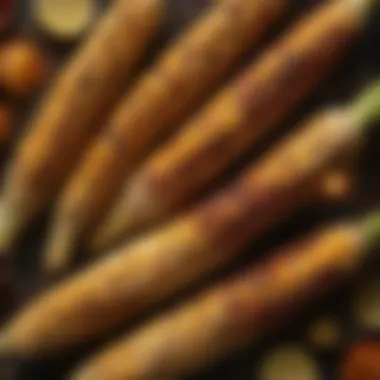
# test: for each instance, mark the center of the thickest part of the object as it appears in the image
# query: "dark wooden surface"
(362, 64)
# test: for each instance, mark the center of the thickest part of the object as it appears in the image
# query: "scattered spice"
(338, 185)
(325, 333)
(23, 67)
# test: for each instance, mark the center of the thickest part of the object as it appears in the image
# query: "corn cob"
(248, 108)
(83, 94)
(153, 268)
(237, 311)
(183, 75)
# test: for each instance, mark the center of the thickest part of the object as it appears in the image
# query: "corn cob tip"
(366, 107)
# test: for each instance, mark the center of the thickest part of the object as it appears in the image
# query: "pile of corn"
(136, 168)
